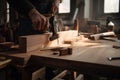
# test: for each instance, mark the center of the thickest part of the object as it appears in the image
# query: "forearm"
(22, 6)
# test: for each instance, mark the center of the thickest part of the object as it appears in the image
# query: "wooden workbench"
(89, 57)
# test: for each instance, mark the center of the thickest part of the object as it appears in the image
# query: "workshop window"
(105, 8)
(64, 7)
(8, 13)
(111, 6)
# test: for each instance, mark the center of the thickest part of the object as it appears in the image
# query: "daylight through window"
(64, 7)
(111, 6)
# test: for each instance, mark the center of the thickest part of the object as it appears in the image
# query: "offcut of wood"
(105, 34)
(32, 42)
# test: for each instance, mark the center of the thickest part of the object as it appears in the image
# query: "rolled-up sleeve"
(22, 6)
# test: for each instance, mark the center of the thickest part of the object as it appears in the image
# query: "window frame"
(106, 5)
(98, 6)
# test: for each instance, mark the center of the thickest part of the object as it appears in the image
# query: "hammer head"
(54, 36)
(53, 28)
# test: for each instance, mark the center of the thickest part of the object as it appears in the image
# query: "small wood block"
(33, 42)
(67, 42)
(65, 51)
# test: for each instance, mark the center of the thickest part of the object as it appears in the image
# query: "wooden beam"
(33, 42)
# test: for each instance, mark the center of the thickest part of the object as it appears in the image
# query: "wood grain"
(88, 56)
(33, 42)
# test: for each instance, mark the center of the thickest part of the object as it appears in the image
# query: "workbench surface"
(88, 56)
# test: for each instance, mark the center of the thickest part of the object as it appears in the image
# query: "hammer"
(53, 26)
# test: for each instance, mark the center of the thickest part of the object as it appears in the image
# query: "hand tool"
(61, 51)
(113, 58)
(53, 28)
(65, 51)
(116, 47)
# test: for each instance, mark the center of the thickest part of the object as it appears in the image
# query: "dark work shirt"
(43, 6)
(24, 6)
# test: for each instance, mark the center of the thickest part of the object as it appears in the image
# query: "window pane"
(64, 7)
(111, 6)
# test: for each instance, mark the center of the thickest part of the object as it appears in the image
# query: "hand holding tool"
(53, 28)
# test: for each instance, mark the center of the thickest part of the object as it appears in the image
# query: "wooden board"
(4, 62)
(33, 42)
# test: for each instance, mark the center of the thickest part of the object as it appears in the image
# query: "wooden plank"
(33, 42)
(80, 77)
(105, 34)
(39, 74)
(4, 62)
(61, 75)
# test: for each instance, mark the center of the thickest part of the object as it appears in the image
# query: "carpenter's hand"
(39, 21)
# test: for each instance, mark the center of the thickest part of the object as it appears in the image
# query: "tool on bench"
(116, 47)
(113, 58)
(60, 51)
(63, 51)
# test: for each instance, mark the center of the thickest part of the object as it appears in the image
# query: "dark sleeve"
(22, 6)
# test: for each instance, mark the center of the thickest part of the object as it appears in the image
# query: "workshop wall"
(95, 9)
